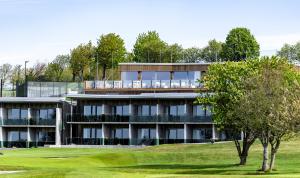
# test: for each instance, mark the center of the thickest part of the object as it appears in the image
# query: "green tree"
(240, 44)
(226, 82)
(290, 52)
(149, 48)
(109, 52)
(192, 55)
(55, 69)
(211, 53)
(81, 58)
(173, 53)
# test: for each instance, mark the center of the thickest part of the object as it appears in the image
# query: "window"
(46, 114)
(194, 75)
(129, 75)
(17, 113)
(146, 133)
(176, 110)
(180, 76)
(17, 136)
(147, 110)
(92, 110)
(92, 133)
(163, 76)
(120, 133)
(121, 110)
(198, 110)
(175, 133)
(149, 75)
(44, 136)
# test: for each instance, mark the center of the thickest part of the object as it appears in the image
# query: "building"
(152, 103)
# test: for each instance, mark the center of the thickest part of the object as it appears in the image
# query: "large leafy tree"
(226, 82)
(56, 69)
(290, 52)
(110, 51)
(211, 53)
(191, 55)
(173, 53)
(240, 44)
(81, 58)
(150, 48)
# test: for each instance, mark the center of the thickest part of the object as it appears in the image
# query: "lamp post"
(25, 83)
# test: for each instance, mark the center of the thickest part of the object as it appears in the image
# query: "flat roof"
(138, 96)
(31, 100)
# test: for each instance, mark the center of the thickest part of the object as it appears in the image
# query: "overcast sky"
(38, 30)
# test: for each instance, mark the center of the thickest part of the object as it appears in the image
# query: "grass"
(209, 160)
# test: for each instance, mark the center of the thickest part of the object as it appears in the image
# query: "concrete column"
(213, 132)
(2, 115)
(103, 134)
(185, 130)
(1, 137)
(157, 134)
(130, 134)
(103, 108)
(58, 126)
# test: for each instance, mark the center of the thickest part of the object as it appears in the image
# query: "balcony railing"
(119, 84)
(77, 117)
(32, 121)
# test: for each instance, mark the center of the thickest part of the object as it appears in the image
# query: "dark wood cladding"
(165, 67)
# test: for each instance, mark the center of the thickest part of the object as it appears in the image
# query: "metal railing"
(32, 121)
(118, 84)
(77, 117)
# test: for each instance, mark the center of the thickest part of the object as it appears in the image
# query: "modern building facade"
(152, 103)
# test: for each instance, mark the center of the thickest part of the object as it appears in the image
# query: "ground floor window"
(120, 133)
(175, 133)
(202, 133)
(146, 133)
(44, 136)
(17, 136)
(92, 133)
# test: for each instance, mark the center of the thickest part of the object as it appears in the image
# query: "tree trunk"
(248, 140)
(274, 148)
(265, 144)
(103, 72)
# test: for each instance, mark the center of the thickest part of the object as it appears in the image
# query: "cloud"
(275, 42)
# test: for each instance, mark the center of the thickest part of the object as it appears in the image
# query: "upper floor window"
(121, 110)
(176, 110)
(198, 110)
(147, 110)
(156, 75)
(92, 110)
(45, 113)
(129, 75)
(17, 113)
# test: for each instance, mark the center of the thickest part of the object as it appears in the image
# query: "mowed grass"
(190, 160)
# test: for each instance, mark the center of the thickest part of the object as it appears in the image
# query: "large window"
(198, 110)
(153, 75)
(17, 136)
(148, 75)
(180, 75)
(146, 133)
(120, 110)
(92, 133)
(17, 113)
(163, 75)
(202, 133)
(176, 110)
(129, 75)
(194, 75)
(147, 110)
(120, 133)
(175, 133)
(45, 136)
(45, 113)
(92, 110)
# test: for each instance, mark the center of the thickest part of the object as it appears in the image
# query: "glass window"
(13, 136)
(24, 114)
(176, 110)
(43, 114)
(163, 76)
(98, 133)
(99, 110)
(121, 110)
(172, 134)
(148, 75)
(180, 109)
(198, 110)
(86, 133)
(180, 76)
(199, 133)
(13, 114)
(208, 110)
(180, 134)
(129, 75)
(145, 110)
(51, 114)
(153, 111)
(194, 75)
(173, 111)
(87, 110)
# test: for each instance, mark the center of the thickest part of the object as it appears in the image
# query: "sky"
(38, 30)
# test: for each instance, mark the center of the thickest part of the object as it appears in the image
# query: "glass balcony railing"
(109, 118)
(32, 121)
(119, 84)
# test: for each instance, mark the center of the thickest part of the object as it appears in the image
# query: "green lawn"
(210, 160)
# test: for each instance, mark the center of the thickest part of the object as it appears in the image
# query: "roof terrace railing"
(119, 84)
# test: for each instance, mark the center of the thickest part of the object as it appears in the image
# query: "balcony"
(142, 119)
(25, 122)
(142, 84)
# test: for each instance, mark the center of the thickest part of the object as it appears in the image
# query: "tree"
(109, 51)
(290, 52)
(226, 83)
(270, 104)
(173, 53)
(149, 48)
(5, 71)
(37, 72)
(192, 55)
(211, 53)
(240, 44)
(81, 58)
(55, 69)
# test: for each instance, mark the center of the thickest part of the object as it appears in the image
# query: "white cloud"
(275, 42)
